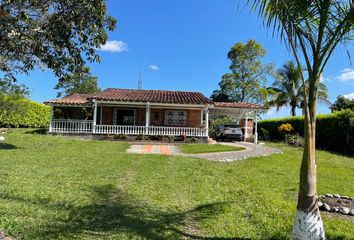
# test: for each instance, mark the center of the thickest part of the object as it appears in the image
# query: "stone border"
(327, 208)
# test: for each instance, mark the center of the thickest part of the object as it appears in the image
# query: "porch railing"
(177, 131)
(120, 129)
(86, 126)
(68, 126)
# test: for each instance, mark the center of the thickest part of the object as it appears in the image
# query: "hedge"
(28, 114)
(334, 132)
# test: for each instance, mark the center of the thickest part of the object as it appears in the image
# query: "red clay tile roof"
(238, 105)
(74, 99)
(155, 96)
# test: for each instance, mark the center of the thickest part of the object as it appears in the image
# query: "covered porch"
(130, 119)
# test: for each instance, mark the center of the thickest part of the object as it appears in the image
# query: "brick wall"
(157, 117)
(249, 124)
(140, 117)
(107, 115)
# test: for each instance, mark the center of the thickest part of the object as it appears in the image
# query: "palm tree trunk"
(293, 110)
(308, 223)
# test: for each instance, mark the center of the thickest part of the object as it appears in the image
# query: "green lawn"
(54, 187)
(207, 148)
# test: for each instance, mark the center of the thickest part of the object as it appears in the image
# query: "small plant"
(264, 134)
(156, 137)
(108, 137)
(285, 128)
(139, 137)
(183, 138)
(294, 140)
(122, 136)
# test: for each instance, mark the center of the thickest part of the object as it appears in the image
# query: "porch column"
(246, 128)
(255, 129)
(50, 119)
(147, 118)
(207, 121)
(94, 117)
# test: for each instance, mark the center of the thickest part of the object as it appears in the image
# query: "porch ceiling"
(233, 113)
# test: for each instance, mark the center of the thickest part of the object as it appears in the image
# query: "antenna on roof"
(140, 81)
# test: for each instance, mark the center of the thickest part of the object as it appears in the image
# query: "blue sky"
(182, 45)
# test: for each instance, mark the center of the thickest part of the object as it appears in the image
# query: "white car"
(230, 131)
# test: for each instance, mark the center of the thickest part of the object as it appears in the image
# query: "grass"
(54, 187)
(207, 148)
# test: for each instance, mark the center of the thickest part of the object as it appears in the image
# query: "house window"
(175, 118)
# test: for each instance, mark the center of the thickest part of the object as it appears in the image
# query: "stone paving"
(251, 150)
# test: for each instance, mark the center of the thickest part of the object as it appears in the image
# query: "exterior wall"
(193, 118)
(157, 116)
(140, 117)
(249, 125)
(107, 115)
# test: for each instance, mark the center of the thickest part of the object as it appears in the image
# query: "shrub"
(156, 137)
(139, 137)
(334, 132)
(30, 114)
(120, 136)
(294, 140)
(285, 128)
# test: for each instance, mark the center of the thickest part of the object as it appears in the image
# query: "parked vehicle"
(229, 132)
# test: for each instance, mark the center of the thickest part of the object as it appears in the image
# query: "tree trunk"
(293, 110)
(307, 222)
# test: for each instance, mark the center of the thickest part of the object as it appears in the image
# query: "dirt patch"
(4, 236)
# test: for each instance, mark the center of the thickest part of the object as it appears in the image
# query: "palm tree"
(287, 89)
(312, 30)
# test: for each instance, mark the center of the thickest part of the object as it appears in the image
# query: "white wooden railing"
(120, 129)
(71, 126)
(177, 131)
(86, 126)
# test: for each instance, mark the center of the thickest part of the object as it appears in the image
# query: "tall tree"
(287, 88)
(59, 35)
(248, 74)
(342, 103)
(312, 30)
(82, 82)
(9, 93)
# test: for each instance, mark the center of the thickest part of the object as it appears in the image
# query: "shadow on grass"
(116, 213)
(6, 146)
(39, 131)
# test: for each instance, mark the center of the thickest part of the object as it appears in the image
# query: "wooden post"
(94, 117)
(246, 129)
(50, 119)
(147, 118)
(255, 128)
(207, 121)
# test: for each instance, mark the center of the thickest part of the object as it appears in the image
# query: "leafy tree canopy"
(248, 75)
(342, 103)
(9, 94)
(82, 82)
(56, 34)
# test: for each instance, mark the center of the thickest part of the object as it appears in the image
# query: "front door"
(124, 116)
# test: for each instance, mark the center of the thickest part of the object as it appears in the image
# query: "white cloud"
(154, 67)
(349, 96)
(347, 74)
(114, 46)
